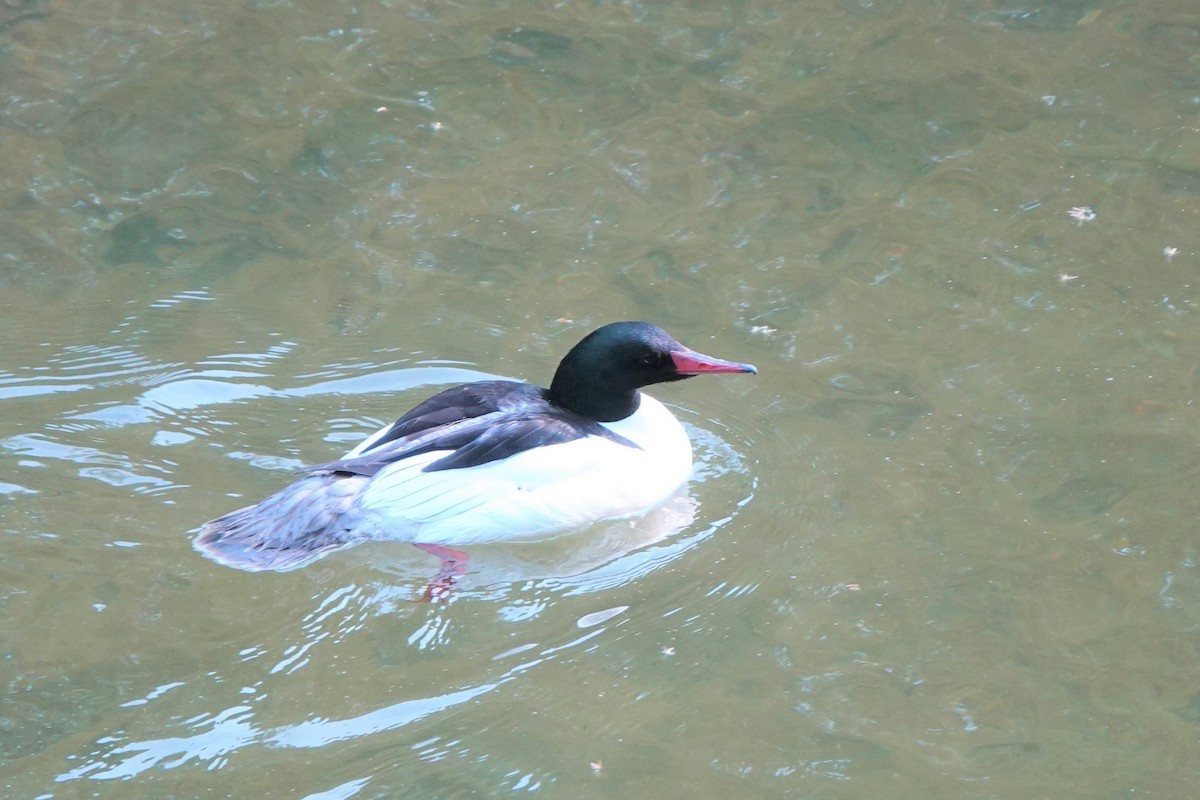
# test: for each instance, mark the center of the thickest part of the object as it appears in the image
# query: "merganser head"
(600, 376)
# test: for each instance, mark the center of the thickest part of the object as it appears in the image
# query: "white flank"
(531, 494)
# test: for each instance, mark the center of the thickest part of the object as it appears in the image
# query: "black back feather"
(464, 420)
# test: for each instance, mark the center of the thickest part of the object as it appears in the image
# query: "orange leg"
(453, 567)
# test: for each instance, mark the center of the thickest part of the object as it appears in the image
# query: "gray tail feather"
(288, 530)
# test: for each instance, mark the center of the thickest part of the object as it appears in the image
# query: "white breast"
(533, 493)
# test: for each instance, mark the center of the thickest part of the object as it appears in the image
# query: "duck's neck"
(591, 396)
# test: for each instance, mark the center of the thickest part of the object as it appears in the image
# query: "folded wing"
(475, 424)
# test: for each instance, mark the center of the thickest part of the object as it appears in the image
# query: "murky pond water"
(943, 545)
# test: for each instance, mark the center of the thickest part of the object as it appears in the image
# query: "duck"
(489, 461)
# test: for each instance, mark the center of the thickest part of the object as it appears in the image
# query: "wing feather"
(476, 423)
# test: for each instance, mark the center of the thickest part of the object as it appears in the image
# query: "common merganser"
(489, 461)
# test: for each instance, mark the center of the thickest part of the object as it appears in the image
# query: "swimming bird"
(487, 461)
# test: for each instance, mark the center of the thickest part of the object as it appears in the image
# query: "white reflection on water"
(181, 395)
(215, 737)
(214, 387)
(234, 729)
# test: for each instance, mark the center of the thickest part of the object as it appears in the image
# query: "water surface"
(943, 545)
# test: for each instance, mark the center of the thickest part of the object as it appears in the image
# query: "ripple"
(77, 368)
(213, 738)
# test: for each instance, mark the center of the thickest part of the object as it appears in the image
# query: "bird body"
(489, 461)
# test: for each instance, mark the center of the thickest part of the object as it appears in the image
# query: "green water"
(942, 546)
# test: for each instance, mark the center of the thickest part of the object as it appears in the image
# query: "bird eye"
(649, 360)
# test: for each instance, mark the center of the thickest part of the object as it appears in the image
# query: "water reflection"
(617, 554)
(187, 400)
